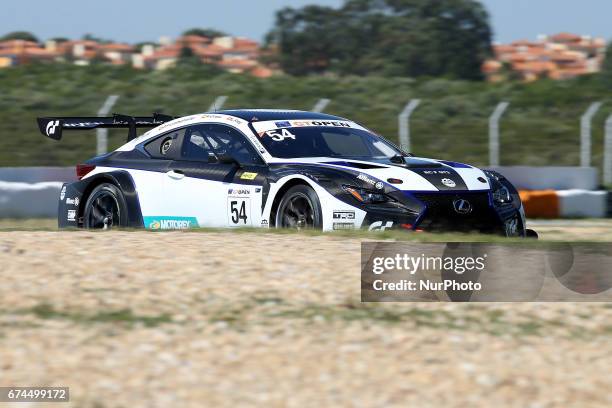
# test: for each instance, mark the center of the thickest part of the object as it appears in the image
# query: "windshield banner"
(262, 127)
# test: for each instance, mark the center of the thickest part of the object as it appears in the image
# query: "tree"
(308, 50)
(20, 35)
(189, 64)
(91, 37)
(205, 32)
(187, 57)
(386, 37)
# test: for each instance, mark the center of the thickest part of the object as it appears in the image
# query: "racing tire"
(105, 208)
(299, 209)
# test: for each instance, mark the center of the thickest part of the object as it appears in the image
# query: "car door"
(150, 177)
(209, 193)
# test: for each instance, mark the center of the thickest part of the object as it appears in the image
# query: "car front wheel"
(299, 209)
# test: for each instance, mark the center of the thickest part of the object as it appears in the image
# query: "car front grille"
(440, 214)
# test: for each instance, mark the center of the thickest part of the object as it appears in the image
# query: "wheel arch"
(281, 192)
(124, 182)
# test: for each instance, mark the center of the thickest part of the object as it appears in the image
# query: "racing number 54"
(238, 211)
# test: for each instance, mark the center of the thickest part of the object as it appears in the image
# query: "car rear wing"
(54, 127)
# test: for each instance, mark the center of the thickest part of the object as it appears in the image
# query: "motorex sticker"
(166, 223)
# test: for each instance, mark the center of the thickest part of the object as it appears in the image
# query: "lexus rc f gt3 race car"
(275, 168)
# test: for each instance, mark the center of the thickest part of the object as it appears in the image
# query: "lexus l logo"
(462, 206)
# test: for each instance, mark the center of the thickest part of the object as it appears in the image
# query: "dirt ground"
(180, 319)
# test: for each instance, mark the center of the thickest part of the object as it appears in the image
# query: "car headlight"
(502, 195)
(499, 187)
(366, 196)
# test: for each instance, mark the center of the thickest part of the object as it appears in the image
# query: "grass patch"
(123, 316)
(272, 311)
(492, 322)
(28, 224)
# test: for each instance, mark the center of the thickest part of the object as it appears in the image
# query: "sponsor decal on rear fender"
(166, 223)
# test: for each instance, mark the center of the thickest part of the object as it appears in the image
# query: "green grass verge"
(473, 318)
(123, 316)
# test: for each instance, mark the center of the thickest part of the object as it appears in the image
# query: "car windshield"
(296, 142)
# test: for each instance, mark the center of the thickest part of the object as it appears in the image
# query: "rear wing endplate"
(54, 127)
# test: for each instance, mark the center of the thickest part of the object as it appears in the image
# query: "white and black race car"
(275, 168)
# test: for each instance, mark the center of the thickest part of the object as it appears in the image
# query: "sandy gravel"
(220, 319)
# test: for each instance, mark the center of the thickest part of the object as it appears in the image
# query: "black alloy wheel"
(299, 209)
(105, 208)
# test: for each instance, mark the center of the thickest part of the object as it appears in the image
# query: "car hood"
(417, 174)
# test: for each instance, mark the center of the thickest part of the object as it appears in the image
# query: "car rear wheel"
(105, 208)
(299, 209)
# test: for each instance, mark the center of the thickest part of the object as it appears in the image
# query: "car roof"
(256, 115)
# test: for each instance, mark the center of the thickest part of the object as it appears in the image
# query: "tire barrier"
(37, 174)
(541, 204)
(29, 200)
(566, 203)
(550, 178)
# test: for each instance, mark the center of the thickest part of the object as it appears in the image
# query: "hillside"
(540, 128)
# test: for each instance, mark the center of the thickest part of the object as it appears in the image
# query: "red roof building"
(17, 52)
(560, 56)
(233, 54)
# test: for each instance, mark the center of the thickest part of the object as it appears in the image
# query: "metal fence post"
(403, 120)
(585, 134)
(102, 134)
(218, 103)
(607, 158)
(494, 133)
(321, 105)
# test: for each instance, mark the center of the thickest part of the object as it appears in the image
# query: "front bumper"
(437, 212)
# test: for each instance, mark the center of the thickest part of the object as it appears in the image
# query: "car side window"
(164, 146)
(196, 146)
(207, 140)
(234, 143)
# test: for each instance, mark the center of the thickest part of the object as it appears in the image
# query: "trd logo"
(344, 215)
(51, 126)
(379, 226)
